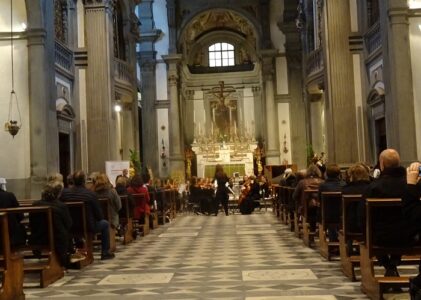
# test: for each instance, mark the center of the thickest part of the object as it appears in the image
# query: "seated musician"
(411, 206)
(137, 187)
(94, 217)
(104, 189)
(194, 193)
(250, 194)
(62, 222)
(358, 182)
(312, 180)
(333, 183)
(17, 231)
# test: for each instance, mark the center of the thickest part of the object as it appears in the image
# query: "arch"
(376, 94)
(64, 110)
(193, 24)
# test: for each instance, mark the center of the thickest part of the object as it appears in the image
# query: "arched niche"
(211, 23)
(243, 49)
(376, 109)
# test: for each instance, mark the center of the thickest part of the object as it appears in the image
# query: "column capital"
(36, 36)
(172, 58)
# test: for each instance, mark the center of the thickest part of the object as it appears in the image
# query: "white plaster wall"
(162, 117)
(19, 15)
(415, 47)
(281, 75)
(284, 130)
(249, 111)
(161, 22)
(161, 81)
(414, 4)
(15, 152)
(276, 15)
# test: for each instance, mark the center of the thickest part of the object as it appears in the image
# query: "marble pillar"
(176, 150)
(100, 88)
(341, 126)
(400, 119)
(42, 95)
(272, 131)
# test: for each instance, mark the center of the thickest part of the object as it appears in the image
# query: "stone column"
(176, 154)
(340, 97)
(258, 127)
(100, 94)
(42, 95)
(400, 119)
(272, 130)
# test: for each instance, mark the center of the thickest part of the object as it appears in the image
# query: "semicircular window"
(221, 55)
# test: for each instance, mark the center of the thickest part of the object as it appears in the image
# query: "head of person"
(52, 190)
(193, 180)
(146, 177)
(389, 158)
(137, 181)
(55, 177)
(333, 171)
(219, 170)
(102, 182)
(79, 178)
(313, 171)
(70, 181)
(358, 172)
(125, 172)
(121, 181)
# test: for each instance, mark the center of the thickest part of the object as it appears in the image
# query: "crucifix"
(221, 112)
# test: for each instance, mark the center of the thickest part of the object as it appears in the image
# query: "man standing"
(95, 220)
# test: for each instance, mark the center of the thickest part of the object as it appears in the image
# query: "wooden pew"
(11, 265)
(276, 204)
(310, 195)
(374, 286)
(160, 197)
(106, 211)
(331, 214)
(47, 264)
(79, 230)
(138, 200)
(349, 262)
(126, 219)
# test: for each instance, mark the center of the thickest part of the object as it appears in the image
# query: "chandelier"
(13, 124)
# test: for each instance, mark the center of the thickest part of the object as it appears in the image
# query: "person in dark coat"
(358, 183)
(333, 183)
(17, 233)
(62, 222)
(411, 206)
(94, 217)
(393, 230)
(221, 195)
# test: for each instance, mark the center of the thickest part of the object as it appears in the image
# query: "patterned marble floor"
(198, 257)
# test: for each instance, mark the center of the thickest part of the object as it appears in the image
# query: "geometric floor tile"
(142, 279)
(280, 274)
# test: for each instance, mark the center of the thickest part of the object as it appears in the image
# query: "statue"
(222, 117)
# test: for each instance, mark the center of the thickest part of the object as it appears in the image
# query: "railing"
(315, 62)
(373, 39)
(122, 71)
(63, 57)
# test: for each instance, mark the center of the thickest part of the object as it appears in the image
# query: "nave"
(249, 257)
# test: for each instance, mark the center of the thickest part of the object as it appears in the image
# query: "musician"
(221, 196)
(249, 196)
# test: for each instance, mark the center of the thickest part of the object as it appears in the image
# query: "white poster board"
(115, 168)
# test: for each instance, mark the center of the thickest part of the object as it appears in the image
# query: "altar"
(235, 157)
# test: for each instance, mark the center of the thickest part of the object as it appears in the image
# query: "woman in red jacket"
(141, 203)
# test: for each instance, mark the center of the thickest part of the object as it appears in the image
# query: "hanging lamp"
(13, 125)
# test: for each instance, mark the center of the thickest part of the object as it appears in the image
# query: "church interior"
(254, 149)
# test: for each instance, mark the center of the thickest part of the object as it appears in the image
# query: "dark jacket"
(93, 208)
(16, 230)
(355, 215)
(411, 205)
(331, 185)
(391, 228)
(62, 223)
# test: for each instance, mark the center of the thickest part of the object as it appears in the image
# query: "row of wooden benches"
(42, 259)
(334, 211)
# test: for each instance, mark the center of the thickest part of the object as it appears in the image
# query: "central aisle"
(197, 257)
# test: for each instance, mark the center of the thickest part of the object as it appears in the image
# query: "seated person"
(104, 189)
(62, 222)
(94, 217)
(17, 231)
(141, 209)
(249, 197)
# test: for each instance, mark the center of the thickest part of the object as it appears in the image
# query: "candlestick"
(194, 116)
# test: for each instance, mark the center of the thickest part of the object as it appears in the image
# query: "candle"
(194, 117)
(235, 128)
(212, 128)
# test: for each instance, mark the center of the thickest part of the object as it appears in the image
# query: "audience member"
(94, 216)
(104, 189)
(17, 231)
(142, 208)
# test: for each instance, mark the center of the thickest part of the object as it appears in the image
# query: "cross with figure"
(220, 111)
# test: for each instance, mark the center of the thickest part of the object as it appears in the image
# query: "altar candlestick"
(212, 128)
(235, 128)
